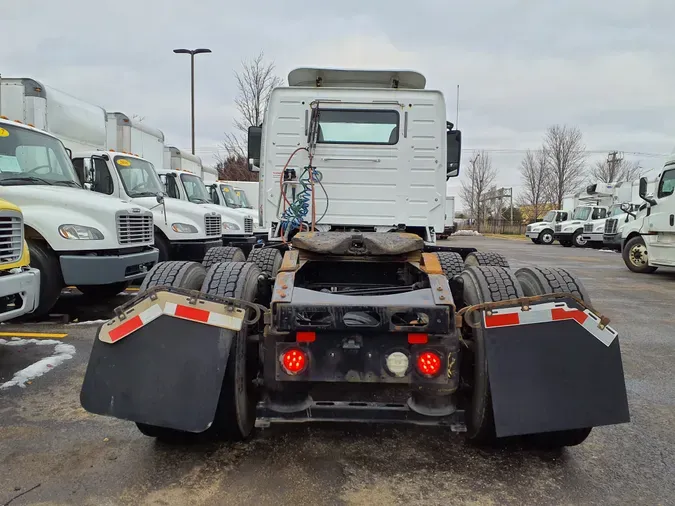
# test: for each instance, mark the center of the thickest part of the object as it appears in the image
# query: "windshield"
(195, 189)
(29, 157)
(229, 196)
(581, 213)
(138, 177)
(615, 211)
(550, 216)
(241, 197)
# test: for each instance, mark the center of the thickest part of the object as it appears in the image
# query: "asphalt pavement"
(49, 442)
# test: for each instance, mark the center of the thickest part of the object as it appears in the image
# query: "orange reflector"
(294, 361)
(418, 338)
(561, 314)
(191, 313)
(305, 337)
(125, 329)
(500, 320)
(428, 363)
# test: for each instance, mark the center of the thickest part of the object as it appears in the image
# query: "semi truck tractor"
(353, 313)
(620, 193)
(75, 237)
(19, 282)
(648, 241)
(611, 237)
(542, 232)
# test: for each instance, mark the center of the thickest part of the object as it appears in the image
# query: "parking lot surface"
(49, 442)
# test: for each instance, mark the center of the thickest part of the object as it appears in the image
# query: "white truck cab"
(570, 232)
(380, 152)
(542, 231)
(75, 237)
(594, 230)
(648, 241)
(183, 231)
(224, 194)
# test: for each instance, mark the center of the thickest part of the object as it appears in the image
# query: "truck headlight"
(184, 228)
(80, 232)
(228, 225)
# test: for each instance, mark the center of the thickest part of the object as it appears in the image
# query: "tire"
(483, 284)
(578, 239)
(486, 259)
(103, 292)
(536, 241)
(268, 260)
(635, 256)
(451, 263)
(220, 254)
(236, 412)
(188, 275)
(177, 274)
(542, 280)
(162, 245)
(566, 244)
(546, 237)
(51, 279)
(539, 281)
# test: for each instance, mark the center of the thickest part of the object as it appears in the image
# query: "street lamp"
(192, 53)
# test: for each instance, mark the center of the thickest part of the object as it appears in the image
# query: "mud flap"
(553, 367)
(167, 373)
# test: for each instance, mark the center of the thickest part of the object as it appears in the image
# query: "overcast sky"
(607, 67)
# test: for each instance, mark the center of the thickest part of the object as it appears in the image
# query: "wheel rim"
(638, 255)
(580, 241)
(547, 238)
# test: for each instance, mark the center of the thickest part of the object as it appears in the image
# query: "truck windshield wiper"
(144, 194)
(71, 184)
(196, 200)
(25, 180)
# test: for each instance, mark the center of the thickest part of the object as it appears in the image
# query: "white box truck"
(127, 134)
(593, 205)
(182, 180)
(75, 237)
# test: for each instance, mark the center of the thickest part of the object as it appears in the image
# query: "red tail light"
(428, 363)
(294, 361)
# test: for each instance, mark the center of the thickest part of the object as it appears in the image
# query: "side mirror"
(254, 147)
(627, 208)
(160, 197)
(454, 153)
(643, 192)
(70, 153)
(89, 175)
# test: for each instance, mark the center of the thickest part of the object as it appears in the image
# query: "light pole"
(192, 53)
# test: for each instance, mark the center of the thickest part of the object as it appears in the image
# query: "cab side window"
(103, 182)
(599, 214)
(667, 185)
(170, 185)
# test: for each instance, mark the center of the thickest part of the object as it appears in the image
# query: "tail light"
(428, 363)
(294, 361)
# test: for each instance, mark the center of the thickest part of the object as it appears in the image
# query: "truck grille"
(588, 227)
(212, 225)
(11, 237)
(248, 225)
(558, 228)
(135, 228)
(529, 228)
(611, 226)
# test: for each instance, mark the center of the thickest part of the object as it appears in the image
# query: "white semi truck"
(614, 224)
(620, 193)
(75, 237)
(181, 177)
(648, 241)
(225, 194)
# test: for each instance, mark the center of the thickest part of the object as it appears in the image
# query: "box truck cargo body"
(132, 136)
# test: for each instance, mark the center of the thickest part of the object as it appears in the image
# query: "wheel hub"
(638, 255)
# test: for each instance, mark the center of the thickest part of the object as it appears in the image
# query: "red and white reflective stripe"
(135, 323)
(201, 315)
(548, 312)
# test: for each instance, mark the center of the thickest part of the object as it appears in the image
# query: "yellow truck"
(19, 283)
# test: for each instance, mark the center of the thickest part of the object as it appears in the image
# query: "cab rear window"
(358, 126)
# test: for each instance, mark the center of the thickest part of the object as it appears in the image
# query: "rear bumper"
(193, 250)
(26, 284)
(105, 270)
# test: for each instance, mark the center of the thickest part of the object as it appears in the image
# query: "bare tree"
(609, 171)
(480, 178)
(534, 174)
(566, 158)
(255, 82)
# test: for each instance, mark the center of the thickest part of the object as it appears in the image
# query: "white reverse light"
(397, 363)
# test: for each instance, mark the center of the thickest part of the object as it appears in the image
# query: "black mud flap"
(552, 368)
(168, 373)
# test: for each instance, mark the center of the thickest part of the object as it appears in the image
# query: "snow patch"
(607, 251)
(62, 352)
(90, 322)
(467, 232)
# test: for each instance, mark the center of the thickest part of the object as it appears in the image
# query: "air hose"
(294, 215)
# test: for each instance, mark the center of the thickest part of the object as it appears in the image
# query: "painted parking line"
(132, 289)
(36, 335)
